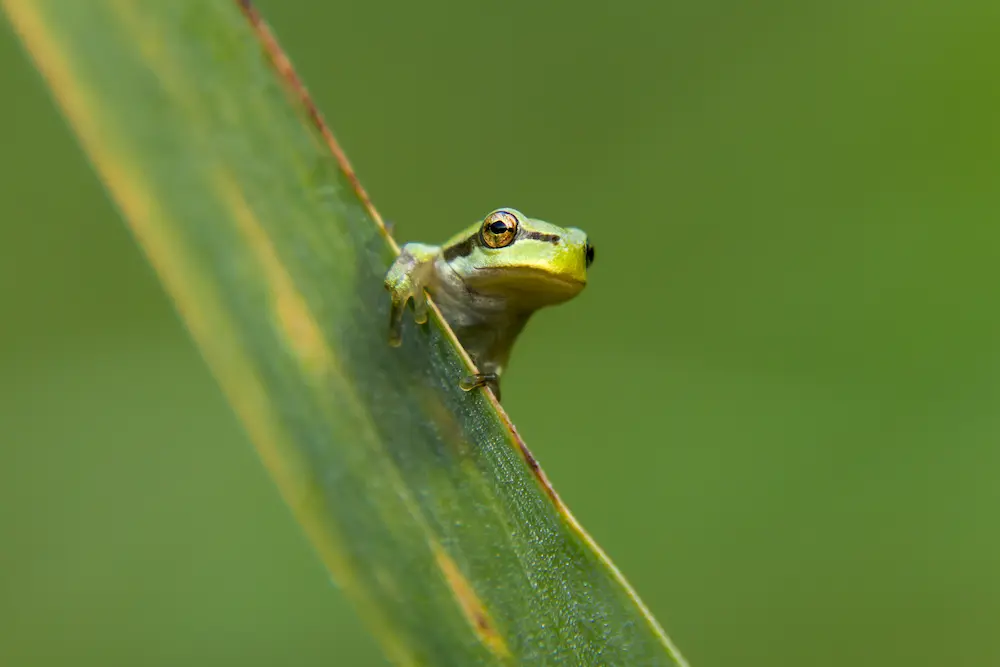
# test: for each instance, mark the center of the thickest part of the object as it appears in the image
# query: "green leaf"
(421, 499)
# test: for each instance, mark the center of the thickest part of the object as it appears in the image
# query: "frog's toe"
(396, 322)
(420, 307)
(399, 294)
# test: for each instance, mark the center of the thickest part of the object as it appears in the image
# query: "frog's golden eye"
(499, 229)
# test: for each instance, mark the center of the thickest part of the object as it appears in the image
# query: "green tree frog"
(488, 280)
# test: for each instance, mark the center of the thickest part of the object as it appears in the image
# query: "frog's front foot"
(491, 380)
(401, 290)
(406, 280)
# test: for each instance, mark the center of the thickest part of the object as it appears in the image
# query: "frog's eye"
(499, 229)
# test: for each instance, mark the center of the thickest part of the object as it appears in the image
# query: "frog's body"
(488, 280)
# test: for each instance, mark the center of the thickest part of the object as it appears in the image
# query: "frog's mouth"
(528, 284)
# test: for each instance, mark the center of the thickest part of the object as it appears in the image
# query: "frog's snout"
(588, 253)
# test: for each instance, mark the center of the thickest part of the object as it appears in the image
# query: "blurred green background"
(775, 405)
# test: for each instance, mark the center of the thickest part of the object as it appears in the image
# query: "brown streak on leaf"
(297, 323)
(470, 603)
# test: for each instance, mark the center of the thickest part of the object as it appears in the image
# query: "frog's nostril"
(589, 253)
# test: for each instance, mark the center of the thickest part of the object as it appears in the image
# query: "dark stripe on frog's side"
(464, 248)
(460, 249)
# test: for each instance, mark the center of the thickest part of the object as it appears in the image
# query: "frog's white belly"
(485, 324)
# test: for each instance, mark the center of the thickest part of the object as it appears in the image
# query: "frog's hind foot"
(490, 380)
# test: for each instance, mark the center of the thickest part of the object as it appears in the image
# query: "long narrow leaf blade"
(421, 499)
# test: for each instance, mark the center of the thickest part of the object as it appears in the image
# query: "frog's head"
(530, 261)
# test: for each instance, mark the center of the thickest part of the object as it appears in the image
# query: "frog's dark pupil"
(590, 254)
(498, 227)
